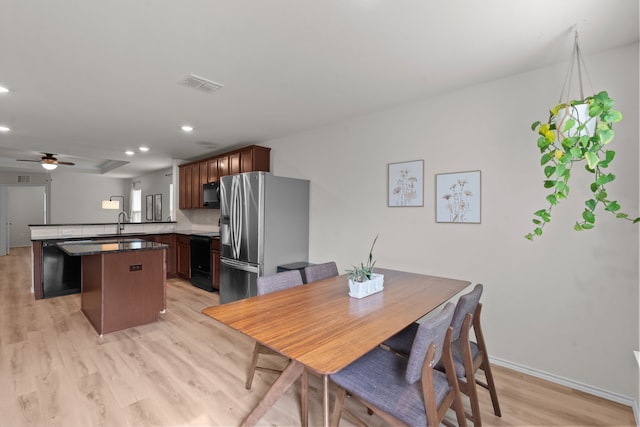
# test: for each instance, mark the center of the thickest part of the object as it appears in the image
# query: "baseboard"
(596, 391)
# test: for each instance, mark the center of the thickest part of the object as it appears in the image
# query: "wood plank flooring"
(188, 370)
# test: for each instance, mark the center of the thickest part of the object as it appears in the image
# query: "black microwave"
(211, 195)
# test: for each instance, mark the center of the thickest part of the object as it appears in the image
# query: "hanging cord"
(576, 60)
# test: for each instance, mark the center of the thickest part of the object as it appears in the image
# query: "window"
(136, 205)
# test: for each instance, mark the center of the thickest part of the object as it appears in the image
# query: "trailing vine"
(565, 140)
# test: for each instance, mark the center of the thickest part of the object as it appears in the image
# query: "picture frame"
(157, 207)
(406, 184)
(458, 197)
(149, 213)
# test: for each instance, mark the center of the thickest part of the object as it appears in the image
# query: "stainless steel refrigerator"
(264, 222)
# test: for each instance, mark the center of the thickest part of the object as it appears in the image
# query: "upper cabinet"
(223, 166)
(193, 175)
(212, 170)
(255, 159)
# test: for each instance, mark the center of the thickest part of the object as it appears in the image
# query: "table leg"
(325, 400)
(304, 397)
(290, 374)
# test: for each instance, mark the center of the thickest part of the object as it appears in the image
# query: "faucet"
(125, 218)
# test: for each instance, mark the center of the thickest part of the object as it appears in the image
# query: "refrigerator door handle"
(236, 216)
(238, 265)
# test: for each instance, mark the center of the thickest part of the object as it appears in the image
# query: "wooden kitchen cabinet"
(212, 170)
(215, 263)
(196, 188)
(223, 166)
(234, 163)
(115, 296)
(169, 239)
(254, 159)
(184, 198)
(193, 175)
(183, 246)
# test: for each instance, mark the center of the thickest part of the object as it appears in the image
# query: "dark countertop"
(89, 247)
(100, 223)
(134, 234)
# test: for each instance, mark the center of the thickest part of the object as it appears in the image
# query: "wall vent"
(201, 83)
(24, 179)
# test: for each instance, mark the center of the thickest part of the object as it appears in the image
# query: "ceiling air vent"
(24, 179)
(201, 83)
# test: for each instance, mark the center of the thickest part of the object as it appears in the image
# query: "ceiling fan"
(48, 161)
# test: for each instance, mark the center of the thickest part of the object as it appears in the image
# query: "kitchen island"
(123, 281)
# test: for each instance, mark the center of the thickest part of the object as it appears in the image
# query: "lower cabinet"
(169, 239)
(183, 246)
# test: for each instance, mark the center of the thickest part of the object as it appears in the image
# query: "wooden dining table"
(321, 329)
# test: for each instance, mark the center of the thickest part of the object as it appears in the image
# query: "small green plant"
(363, 273)
(574, 145)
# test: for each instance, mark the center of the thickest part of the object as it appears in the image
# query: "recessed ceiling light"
(129, 153)
(3, 89)
(4, 129)
(144, 149)
(187, 128)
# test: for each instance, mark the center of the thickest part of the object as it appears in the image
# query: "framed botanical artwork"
(157, 207)
(458, 197)
(149, 215)
(406, 184)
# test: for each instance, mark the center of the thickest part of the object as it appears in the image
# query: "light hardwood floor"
(188, 370)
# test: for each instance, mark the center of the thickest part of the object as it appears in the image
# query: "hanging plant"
(578, 131)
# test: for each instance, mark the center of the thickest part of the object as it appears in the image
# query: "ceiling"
(90, 79)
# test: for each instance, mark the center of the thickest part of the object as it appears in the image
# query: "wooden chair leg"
(485, 366)
(469, 388)
(491, 386)
(472, 392)
(337, 406)
(252, 366)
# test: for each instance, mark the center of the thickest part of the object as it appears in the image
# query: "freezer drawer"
(237, 280)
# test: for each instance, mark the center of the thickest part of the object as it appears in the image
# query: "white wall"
(156, 183)
(76, 197)
(566, 304)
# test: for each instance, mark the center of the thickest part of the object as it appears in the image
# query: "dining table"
(321, 329)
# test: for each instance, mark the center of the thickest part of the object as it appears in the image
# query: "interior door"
(26, 206)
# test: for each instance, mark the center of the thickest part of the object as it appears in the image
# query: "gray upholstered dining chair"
(468, 356)
(320, 271)
(406, 391)
(267, 284)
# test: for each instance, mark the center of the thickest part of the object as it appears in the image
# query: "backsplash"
(204, 219)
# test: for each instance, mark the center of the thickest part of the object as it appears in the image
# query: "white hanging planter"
(579, 113)
(366, 288)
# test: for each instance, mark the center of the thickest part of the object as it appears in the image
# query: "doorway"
(20, 206)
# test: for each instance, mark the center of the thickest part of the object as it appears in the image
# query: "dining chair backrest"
(431, 331)
(467, 304)
(278, 281)
(320, 271)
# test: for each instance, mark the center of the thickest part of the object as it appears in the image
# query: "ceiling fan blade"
(66, 163)
(22, 160)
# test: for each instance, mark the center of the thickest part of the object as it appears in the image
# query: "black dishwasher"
(61, 273)
(201, 255)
